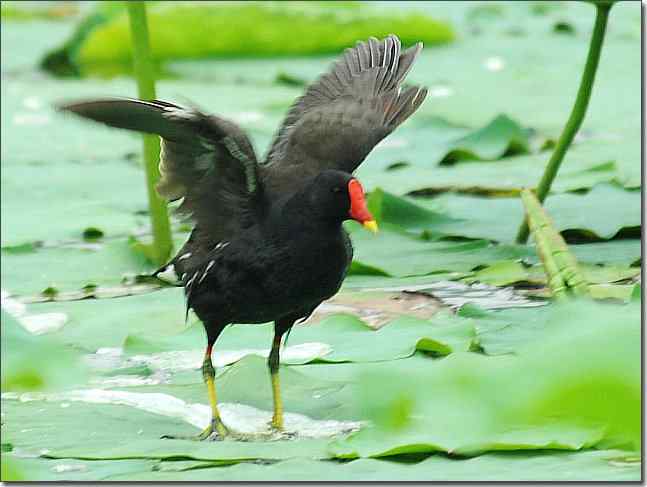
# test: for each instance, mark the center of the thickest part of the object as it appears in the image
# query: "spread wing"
(348, 110)
(206, 161)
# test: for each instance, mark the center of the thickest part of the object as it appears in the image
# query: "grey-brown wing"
(206, 161)
(348, 110)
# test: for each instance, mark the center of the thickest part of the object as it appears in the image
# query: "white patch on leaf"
(440, 91)
(192, 359)
(494, 63)
(36, 324)
(456, 294)
(164, 364)
(44, 322)
(33, 119)
(65, 468)
(12, 306)
(32, 103)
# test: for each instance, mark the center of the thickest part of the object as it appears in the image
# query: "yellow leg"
(277, 418)
(215, 425)
(273, 363)
(209, 374)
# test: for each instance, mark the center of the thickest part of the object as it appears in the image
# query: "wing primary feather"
(364, 55)
(405, 105)
(354, 105)
(406, 61)
(387, 64)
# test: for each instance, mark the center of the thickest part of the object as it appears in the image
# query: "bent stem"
(577, 113)
(143, 67)
(562, 273)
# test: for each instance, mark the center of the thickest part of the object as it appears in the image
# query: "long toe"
(216, 431)
(280, 433)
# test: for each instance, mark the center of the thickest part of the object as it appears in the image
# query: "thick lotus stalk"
(143, 67)
(577, 113)
(561, 269)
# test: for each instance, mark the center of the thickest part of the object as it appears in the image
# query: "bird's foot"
(277, 429)
(216, 431)
(277, 422)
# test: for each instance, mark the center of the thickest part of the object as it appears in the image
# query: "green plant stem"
(577, 113)
(144, 73)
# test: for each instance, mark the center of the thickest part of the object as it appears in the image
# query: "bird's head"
(338, 196)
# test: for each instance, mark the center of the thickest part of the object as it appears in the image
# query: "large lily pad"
(119, 432)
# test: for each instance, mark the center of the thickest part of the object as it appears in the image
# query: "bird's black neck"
(297, 212)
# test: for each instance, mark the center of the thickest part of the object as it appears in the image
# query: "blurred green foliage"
(21, 11)
(33, 363)
(576, 384)
(196, 30)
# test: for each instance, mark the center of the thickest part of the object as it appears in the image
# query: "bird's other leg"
(273, 364)
(280, 327)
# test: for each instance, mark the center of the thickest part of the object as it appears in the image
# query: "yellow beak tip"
(371, 225)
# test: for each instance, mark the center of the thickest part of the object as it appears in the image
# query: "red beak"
(358, 210)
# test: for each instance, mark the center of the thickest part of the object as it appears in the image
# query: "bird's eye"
(336, 189)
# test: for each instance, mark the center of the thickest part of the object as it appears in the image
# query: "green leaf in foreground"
(113, 431)
(116, 433)
(533, 466)
(575, 385)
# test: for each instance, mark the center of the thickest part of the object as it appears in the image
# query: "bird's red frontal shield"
(358, 210)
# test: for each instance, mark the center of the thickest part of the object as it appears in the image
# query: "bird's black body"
(268, 242)
(279, 269)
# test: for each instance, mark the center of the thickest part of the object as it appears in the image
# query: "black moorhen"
(268, 243)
